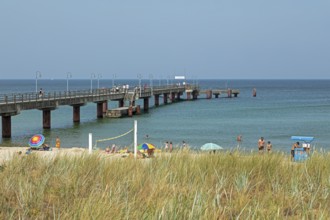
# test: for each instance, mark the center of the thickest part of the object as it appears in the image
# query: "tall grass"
(176, 186)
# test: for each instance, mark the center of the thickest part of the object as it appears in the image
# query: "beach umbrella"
(36, 140)
(211, 146)
(146, 146)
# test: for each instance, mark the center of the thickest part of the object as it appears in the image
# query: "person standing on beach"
(269, 146)
(166, 146)
(294, 146)
(184, 145)
(113, 149)
(261, 145)
(171, 147)
(239, 141)
(58, 142)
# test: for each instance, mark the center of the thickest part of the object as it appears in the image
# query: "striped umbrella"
(146, 146)
(36, 140)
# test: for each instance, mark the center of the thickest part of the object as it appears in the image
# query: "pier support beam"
(46, 118)
(138, 110)
(229, 91)
(121, 103)
(105, 107)
(6, 126)
(99, 109)
(195, 94)
(146, 104)
(188, 95)
(76, 113)
(173, 97)
(178, 96)
(209, 94)
(165, 98)
(156, 100)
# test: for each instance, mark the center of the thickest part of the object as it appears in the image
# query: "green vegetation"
(176, 186)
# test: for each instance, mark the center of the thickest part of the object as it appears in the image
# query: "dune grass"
(176, 186)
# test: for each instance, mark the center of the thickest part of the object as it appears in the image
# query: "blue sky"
(223, 39)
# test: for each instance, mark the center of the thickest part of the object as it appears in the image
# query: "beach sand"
(7, 153)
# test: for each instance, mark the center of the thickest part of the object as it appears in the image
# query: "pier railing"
(24, 101)
(30, 97)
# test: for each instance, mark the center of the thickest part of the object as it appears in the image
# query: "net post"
(135, 139)
(90, 143)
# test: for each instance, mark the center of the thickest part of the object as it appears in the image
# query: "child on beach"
(58, 143)
(269, 146)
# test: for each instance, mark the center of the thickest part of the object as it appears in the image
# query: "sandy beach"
(6, 153)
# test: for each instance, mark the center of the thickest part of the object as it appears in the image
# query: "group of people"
(262, 145)
(168, 146)
(113, 149)
(117, 88)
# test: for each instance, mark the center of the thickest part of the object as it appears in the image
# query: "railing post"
(15, 99)
(6, 99)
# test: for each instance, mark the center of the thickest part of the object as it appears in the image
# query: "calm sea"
(281, 109)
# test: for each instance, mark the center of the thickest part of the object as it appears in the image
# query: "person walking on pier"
(41, 92)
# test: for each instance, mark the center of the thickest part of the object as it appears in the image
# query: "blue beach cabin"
(301, 153)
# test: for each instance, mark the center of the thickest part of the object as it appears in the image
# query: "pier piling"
(46, 118)
(76, 113)
(6, 126)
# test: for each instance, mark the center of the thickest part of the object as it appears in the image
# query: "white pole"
(135, 139)
(90, 147)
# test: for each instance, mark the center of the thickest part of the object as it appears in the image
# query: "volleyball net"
(112, 138)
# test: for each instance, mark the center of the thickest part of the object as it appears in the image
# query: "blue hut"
(301, 153)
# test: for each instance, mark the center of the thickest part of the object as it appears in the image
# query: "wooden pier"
(13, 104)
